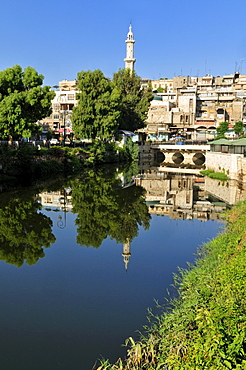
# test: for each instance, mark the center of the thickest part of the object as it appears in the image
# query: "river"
(83, 260)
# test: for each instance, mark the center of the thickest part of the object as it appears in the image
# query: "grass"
(205, 327)
(215, 175)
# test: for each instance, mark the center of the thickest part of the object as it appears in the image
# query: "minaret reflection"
(126, 253)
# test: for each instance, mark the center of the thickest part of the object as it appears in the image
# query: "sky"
(173, 38)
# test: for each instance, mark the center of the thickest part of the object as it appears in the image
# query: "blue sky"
(182, 37)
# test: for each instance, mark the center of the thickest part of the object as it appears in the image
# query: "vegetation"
(134, 101)
(97, 113)
(222, 129)
(102, 205)
(23, 101)
(21, 166)
(214, 175)
(104, 209)
(238, 128)
(205, 327)
(105, 106)
(102, 152)
(24, 231)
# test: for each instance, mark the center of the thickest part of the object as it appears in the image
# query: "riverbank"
(205, 327)
(24, 165)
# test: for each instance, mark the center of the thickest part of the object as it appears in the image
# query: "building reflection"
(177, 193)
(59, 201)
(126, 253)
(185, 195)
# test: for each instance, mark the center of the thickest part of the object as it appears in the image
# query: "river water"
(82, 260)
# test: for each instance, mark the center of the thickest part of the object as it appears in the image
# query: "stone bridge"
(175, 154)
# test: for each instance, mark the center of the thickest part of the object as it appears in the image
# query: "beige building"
(195, 106)
(59, 122)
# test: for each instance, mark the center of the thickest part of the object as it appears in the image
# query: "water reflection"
(24, 231)
(109, 204)
(106, 207)
(187, 194)
(105, 203)
(78, 304)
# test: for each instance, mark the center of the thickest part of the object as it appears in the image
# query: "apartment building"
(195, 106)
(59, 122)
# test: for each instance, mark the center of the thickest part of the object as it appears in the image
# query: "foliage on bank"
(214, 175)
(104, 201)
(205, 327)
(25, 164)
(23, 101)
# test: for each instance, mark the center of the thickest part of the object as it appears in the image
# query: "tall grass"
(205, 327)
(214, 175)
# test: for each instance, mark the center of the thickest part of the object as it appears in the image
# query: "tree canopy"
(134, 101)
(105, 106)
(97, 113)
(23, 100)
(238, 128)
(104, 209)
(222, 129)
(24, 230)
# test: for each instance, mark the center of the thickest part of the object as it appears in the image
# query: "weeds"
(222, 176)
(205, 327)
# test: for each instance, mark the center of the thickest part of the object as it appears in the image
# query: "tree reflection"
(105, 207)
(23, 230)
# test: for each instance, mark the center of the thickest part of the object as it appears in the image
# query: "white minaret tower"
(126, 253)
(130, 60)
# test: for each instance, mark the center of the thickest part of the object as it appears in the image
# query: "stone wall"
(234, 165)
(230, 191)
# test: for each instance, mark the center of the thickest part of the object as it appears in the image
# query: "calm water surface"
(65, 303)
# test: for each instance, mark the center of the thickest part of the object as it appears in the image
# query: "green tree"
(222, 129)
(134, 101)
(24, 230)
(162, 89)
(23, 101)
(238, 128)
(104, 209)
(95, 206)
(96, 114)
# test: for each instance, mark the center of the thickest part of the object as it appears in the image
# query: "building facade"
(195, 106)
(59, 122)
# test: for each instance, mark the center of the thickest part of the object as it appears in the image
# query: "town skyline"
(192, 39)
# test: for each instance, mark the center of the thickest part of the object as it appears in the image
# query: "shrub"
(215, 175)
(205, 327)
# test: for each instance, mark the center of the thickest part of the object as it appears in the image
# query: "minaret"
(126, 253)
(130, 60)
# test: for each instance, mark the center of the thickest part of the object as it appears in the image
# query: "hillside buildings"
(194, 106)
(190, 107)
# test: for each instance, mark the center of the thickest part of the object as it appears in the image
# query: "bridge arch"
(178, 158)
(159, 156)
(198, 158)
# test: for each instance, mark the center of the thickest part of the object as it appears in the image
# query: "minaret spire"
(126, 253)
(130, 60)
